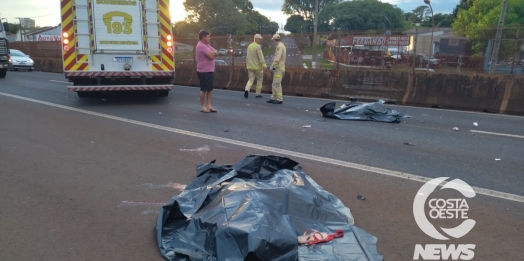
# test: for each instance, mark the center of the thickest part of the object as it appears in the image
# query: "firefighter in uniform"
(278, 68)
(256, 64)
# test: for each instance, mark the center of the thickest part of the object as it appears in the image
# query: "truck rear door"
(118, 26)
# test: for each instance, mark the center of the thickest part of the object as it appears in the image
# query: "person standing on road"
(256, 64)
(278, 68)
(205, 56)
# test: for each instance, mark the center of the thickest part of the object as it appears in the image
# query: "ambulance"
(117, 45)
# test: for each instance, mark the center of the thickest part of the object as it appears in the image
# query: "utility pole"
(314, 54)
(20, 27)
(415, 48)
(260, 27)
(516, 52)
(432, 28)
(496, 46)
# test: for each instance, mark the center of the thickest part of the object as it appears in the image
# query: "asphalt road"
(83, 179)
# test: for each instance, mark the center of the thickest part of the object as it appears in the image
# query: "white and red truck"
(117, 45)
(5, 60)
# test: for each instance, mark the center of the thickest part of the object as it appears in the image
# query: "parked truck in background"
(5, 63)
(456, 52)
(117, 45)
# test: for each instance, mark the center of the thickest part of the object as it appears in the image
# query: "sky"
(47, 12)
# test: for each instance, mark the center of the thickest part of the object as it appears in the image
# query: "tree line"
(474, 19)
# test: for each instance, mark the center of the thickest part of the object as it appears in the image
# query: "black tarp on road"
(258, 206)
(375, 111)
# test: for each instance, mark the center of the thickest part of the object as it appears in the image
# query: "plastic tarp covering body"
(258, 206)
(375, 111)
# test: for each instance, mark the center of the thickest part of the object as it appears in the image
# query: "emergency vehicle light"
(169, 37)
(65, 35)
(169, 43)
(66, 41)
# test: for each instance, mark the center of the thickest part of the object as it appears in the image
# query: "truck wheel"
(3, 73)
(163, 93)
(82, 94)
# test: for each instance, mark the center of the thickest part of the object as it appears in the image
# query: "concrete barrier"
(48, 64)
(481, 92)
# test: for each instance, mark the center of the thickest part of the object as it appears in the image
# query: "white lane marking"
(275, 151)
(204, 148)
(498, 134)
(140, 203)
(168, 185)
(58, 81)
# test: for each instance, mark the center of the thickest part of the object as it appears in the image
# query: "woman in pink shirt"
(205, 56)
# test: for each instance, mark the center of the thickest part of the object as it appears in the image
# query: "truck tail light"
(65, 41)
(169, 42)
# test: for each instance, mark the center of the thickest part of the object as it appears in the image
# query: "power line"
(45, 15)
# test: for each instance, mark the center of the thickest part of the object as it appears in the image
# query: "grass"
(325, 64)
(268, 51)
(308, 50)
(321, 63)
(307, 62)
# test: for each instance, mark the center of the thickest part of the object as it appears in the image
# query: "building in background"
(423, 39)
(44, 34)
(27, 23)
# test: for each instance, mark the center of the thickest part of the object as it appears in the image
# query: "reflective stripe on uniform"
(254, 57)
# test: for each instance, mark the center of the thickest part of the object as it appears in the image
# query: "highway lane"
(437, 151)
(293, 59)
(88, 187)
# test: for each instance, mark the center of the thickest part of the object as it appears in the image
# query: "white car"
(220, 63)
(222, 51)
(21, 61)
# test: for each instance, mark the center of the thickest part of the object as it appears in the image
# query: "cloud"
(438, 6)
(274, 5)
(274, 15)
(44, 13)
(272, 8)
